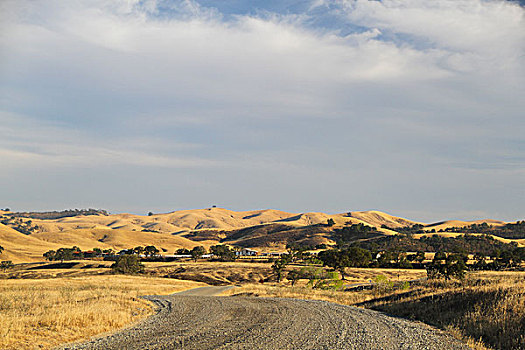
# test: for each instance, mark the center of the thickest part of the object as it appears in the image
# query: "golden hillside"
(20, 247)
(210, 218)
(188, 228)
(442, 225)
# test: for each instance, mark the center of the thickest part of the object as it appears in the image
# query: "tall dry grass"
(486, 310)
(43, 313)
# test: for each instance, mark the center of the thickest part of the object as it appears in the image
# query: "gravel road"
(198, 320)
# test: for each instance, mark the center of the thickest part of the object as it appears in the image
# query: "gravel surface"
(197, 320)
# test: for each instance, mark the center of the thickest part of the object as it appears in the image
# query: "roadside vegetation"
(43, 313)
(485, 309)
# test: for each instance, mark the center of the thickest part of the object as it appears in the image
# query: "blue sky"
(408, 106)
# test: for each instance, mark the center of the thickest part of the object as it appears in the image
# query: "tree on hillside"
(480, 263)
(341, 259)
(182, 251)
(330, 222)
(4, 265)
(358, 257)
(296, 252)
(151, 250)
(108, 251)
(50, 255)
(127, 264)
(197, 252)
(63, 254)
(293, 276)
(223, 252)
(354, 232)
(336, 259)
(138, 250)
(280, 264)
(1, 249)
(98, 251)
(454, 265)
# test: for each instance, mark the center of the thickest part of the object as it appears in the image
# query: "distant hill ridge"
(26, 236)
(52, 215)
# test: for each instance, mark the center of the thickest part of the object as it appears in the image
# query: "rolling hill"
(262, 229)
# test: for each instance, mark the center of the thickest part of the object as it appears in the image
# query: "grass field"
(45, 307)
(42, 313)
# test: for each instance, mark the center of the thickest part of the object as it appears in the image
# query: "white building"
(246, 252)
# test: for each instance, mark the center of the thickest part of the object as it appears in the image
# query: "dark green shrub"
(127, 264)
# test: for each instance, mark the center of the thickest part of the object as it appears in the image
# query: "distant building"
(246, 252)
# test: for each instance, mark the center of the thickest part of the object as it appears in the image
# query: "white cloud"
(172, 84)
(29, 143)
(460, 25)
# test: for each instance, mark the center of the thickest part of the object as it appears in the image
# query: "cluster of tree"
(51, 215)
(75, 252)
(500, 260)
(339, 259)
(447, 266)
(354, 232)
(510, 230)
(148, 251)
(295, 253)
(25, 227)
(6, 209)
(318, 278)
(353, 256)
(467, 243)
(196, 253)
(223, 252)
(64, 254)
(443, 265)
(408, 230)
(305, 247)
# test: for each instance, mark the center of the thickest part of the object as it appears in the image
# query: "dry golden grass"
(214, 273)
(487, 310)
(354, 275)
(40, 314)
(365, 274)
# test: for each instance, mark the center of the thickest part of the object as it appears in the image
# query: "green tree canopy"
(151, 250)
(197, 252)
(223, 252)
(127, 264)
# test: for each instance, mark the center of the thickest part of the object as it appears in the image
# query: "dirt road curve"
(196, 320)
